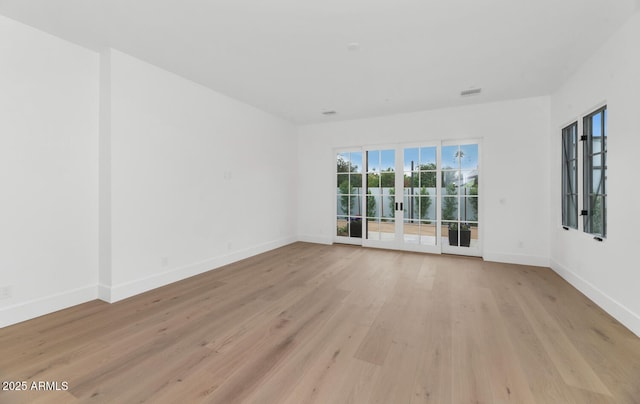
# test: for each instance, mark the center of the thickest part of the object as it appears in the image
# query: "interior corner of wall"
(104, 293)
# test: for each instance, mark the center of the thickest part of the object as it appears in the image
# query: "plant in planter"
(465, 234)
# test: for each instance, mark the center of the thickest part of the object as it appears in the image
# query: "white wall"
(607, 272)
(514, 169)
(119, 177)
(181, 160)
(48, 171)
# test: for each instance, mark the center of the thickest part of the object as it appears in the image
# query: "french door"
(459, 217)
(417, 197)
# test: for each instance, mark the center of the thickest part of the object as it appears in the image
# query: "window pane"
(382, 207)
(449, 208)
(428, 157)
(572, 215)
(343, 163)
(373, 229)
(411, 231)
(597, 160)
(573, 142)
(598, 186)
(388, 179)
(373, 161)
(596, 125)
(411, 179)
(388, 203)
(344, 201)
(343, 182)
(354, 208)
(449, 157)
(356, 180)
(469, 209)
(388, 160)
(597, 215)
(342, 226)
(474, 233)
(467, 179)
(411, 156)
(427, 179)
(596, 145)
(450, 182)
(426, 208)
(373, 181)
(411, 207)
(372, 205)
(468, 157)
(428, 233)
(572, 179)
(356, 162)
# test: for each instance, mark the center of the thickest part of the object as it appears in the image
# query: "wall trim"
(104, 292)
(28, 310)
(112, 294)
(616, 309)
(521, 259)
(308, 238)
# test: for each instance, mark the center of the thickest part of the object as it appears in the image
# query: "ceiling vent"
(329, 112)
(470, 92)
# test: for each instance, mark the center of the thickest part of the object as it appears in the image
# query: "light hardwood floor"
(334, 324)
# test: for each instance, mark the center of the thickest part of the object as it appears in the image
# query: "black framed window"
(595, 172)
(570, 176)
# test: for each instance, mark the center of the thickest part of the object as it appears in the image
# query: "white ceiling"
(291, 57)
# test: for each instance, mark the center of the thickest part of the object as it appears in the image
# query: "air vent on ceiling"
(329, 112)
(470, 92)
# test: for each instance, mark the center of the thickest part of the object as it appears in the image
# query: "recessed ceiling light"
(470, 92)
(329, 112)
(353, 46)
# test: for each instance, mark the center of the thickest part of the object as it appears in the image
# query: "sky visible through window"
(385, 160)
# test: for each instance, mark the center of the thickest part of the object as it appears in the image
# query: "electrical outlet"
(5, 292)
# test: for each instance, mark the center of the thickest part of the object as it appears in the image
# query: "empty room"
(319, 202)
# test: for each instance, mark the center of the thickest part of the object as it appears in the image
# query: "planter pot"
(465, 238)
(356, 228)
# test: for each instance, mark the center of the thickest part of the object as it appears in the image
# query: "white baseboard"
(521, 259)
(104, 292)
(621, 313)
(124, 290)
(38, 307)
(307, 238)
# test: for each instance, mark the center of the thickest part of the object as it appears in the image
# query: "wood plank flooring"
(333, 324)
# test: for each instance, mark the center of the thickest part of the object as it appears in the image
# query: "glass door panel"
(349, 197)
(459, 199)
(420, 196)
(381, 196)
